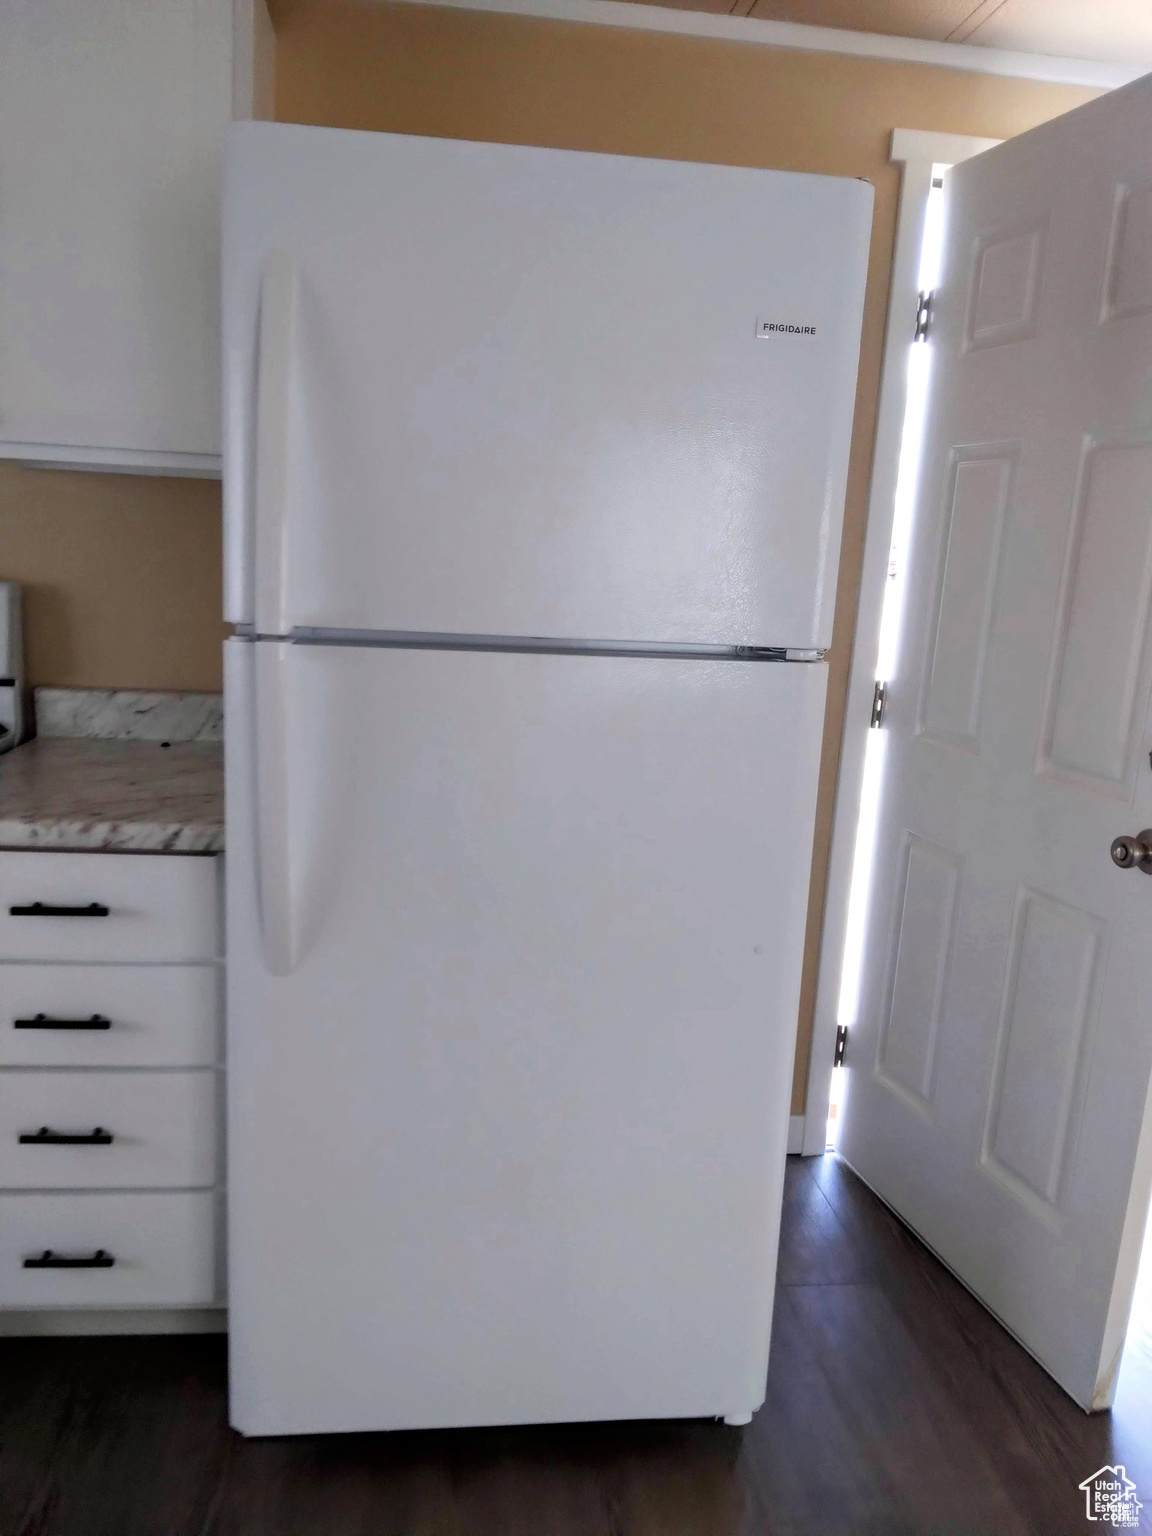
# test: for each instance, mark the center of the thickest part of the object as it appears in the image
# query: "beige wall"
(123, 573)
(122, 577)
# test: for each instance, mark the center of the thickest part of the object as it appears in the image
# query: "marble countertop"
(113, 796)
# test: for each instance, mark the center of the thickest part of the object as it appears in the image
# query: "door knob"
(1134, 852)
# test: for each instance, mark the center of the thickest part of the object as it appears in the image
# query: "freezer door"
(513, 966)
(499, 390)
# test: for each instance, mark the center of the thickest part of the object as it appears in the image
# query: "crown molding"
(788, 34)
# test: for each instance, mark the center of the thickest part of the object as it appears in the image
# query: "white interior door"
(514, 959)
(999, 1067)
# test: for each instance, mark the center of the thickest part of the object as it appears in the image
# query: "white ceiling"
(1119, 31)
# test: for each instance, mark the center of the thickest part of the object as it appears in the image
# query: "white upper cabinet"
(112, 117)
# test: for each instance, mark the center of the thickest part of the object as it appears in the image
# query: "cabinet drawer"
(163, 1249)
(162, 1124)
(107, 906)
(108, 1015)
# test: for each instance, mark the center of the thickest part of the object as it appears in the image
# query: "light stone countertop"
(115, 796)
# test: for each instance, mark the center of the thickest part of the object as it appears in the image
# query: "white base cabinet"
(163, 1247)
(117, 1015)
(108, 906)
(108, 1130)
(111, 1089)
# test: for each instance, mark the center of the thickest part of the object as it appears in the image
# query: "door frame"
(916, 152)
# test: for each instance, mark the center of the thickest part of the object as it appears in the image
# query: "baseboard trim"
(795, 1134)
(58, 1324)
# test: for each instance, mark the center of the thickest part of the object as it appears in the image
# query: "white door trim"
(916, 153)
(790, 34)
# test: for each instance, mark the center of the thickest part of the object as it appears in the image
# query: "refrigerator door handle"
(276, 347)
(273, 855)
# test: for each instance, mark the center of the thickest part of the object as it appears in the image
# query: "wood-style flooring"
(896, 1407)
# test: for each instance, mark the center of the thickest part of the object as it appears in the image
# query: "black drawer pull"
(45, 1137)
(46, 909)
(42, 1021)
(50, 1260)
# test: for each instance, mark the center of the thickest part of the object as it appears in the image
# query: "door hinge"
(841, 1045)
(923, 316)
(879, 700)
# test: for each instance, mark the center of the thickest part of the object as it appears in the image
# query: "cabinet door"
(163, 1248)
(143, 1130)
(112, 115)
(68, 1015)
(107, 906)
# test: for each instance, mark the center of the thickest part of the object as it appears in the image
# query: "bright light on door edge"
(911, 440)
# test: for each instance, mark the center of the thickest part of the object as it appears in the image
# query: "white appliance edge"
(515, 939)
(563, 343)
(507, 1139)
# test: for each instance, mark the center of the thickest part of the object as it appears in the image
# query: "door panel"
(968, 584)
(1095, 699)
(1128, 285)
(924, 936)
(1005, 286)
(1051, 1007)
(531, 393)
(507, 1138)
(1000, 1063)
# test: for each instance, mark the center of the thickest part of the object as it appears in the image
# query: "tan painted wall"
(123, 573)
(122, 577)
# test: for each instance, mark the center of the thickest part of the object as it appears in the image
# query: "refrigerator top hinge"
(879, 700)
(841, 1045)
(923, 316)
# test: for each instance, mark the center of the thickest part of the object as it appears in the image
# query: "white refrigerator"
(534, 476)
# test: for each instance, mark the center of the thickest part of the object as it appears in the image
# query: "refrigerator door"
(490, 389)
(514, 960)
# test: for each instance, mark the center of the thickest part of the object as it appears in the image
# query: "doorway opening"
(1137, 1355)
(912, 434)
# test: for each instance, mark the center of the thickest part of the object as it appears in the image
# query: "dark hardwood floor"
(895, 1405)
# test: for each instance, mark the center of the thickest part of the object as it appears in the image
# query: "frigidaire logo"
(779, 328)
